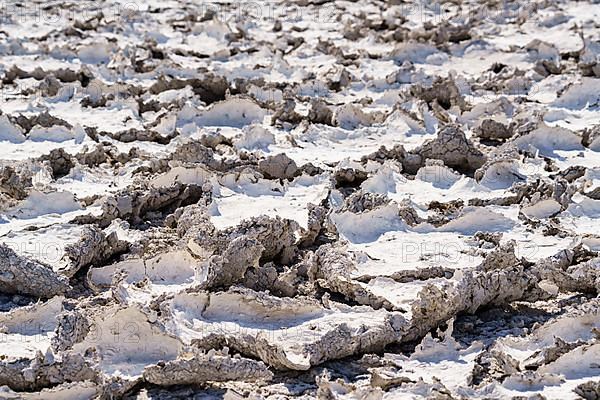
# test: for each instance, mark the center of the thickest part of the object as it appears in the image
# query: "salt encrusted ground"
(300, 199)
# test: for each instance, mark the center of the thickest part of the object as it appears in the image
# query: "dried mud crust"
(362, 200)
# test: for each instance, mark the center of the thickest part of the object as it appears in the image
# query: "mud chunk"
(211, 88)
(493, 130)
(349, 177)
(230, 267)
(268, 277)
(278, 167)
(316, 219)
(454, 149)
(73, 327)
(320, 113)
(13, 183)
(286, 112)
(443, 92)
(43, 119)
(493, 366)
(50, 86)
(411, 161)
(60, 162)
(589, 58)
(134, 203)
(276, 236)
(591, 137)
(360, 201)
(196, 152)
(25, 374)
(502, 257)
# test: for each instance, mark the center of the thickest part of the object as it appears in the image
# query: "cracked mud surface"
(300, 199)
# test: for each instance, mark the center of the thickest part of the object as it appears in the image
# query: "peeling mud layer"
(379, 199)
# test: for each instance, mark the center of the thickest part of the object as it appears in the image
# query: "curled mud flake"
(411, 162)
(588, 390)
(198, 368)
(136, 203)
(50, 86)
(333, 270)
(137, 135)
(387, 377)
(85, 389)
(19, 274)
(550, 354)
(93, 249)
(102, 153)
(338, 78)
(63, 75)
(286, 333)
